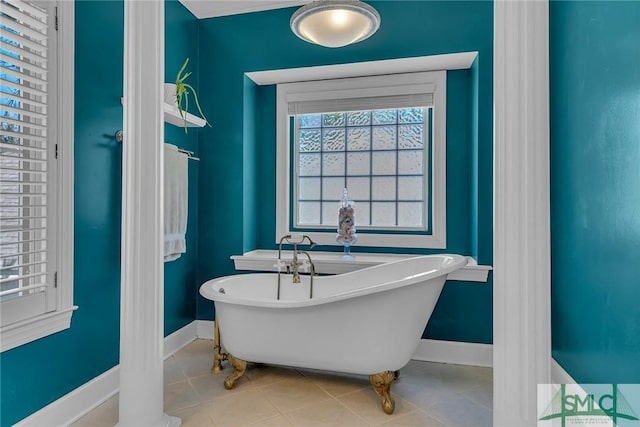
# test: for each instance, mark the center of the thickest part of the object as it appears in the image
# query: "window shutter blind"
(362, 103)
(23, 153)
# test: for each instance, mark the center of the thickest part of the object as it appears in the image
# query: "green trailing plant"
(183, 90)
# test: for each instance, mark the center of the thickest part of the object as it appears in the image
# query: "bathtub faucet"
(296, 264)
(295, 240)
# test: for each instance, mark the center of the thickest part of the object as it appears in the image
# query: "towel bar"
(190, 154)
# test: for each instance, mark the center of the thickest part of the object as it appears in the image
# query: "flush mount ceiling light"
(335, 23)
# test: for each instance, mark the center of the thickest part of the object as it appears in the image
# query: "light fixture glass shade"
(335, 23)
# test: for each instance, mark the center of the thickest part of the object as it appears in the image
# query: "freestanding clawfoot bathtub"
(367, 322)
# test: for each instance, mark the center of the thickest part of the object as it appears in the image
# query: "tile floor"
(427, 394)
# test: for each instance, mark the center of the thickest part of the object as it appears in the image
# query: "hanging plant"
(183, 90)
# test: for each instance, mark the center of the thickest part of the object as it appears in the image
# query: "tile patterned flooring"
(427, 394)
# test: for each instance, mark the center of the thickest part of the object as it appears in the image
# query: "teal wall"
(595, 183)
(180, 280)
(38, 373)
(237, 174)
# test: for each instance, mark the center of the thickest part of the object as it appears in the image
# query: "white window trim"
(347, 88)
(19, 333)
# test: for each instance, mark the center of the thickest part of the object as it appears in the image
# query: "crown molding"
(214, 8)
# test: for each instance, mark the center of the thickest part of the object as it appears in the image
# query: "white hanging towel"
(176, 190)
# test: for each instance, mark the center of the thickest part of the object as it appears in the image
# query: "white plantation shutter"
(361, 103)
(25, 169)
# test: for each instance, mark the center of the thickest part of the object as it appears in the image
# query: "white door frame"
(522, 272)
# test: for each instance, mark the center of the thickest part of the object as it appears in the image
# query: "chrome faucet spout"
(293, 267)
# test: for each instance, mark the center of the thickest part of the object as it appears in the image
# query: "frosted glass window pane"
(378, 155)
(309, 188)
(330, 214)
(333, 139)
(383, 214)
(384, 138)
(333, 119)
(384, 163)
(410, 136)
(358, 163)
(359, 118)
(310, 120)
(411, 115)
(410, 162)
(332, 188)
(383, 188)
(309, 140)
(333, 164)
(383, 117)
(309, 165)
(308, 212)
(358, 138)
(410, 187)
(410, 215)
(358, 188)
(362, 214)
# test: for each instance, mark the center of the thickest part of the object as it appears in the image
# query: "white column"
(522, 326)
(142, 295)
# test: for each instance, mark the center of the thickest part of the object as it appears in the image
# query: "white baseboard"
(205, 329)
(180, 338)
(75, 404)
(88, 396)
(458, 353)
(559, 375)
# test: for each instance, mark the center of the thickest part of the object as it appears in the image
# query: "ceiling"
(212, 8)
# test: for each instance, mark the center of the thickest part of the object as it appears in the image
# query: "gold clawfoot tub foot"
(381, 383)
(239, 367)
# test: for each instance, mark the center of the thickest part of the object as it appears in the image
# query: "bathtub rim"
(208, 291)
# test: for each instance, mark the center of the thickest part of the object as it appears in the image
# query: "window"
(382, 138)
(36, 169)
(379, 155)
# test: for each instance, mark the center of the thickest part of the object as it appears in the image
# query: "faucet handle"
(305, 266)
(279, 265)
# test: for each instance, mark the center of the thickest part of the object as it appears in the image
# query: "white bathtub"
(364, 322)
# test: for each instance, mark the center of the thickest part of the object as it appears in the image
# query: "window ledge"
(23, 332)
(332, 263)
